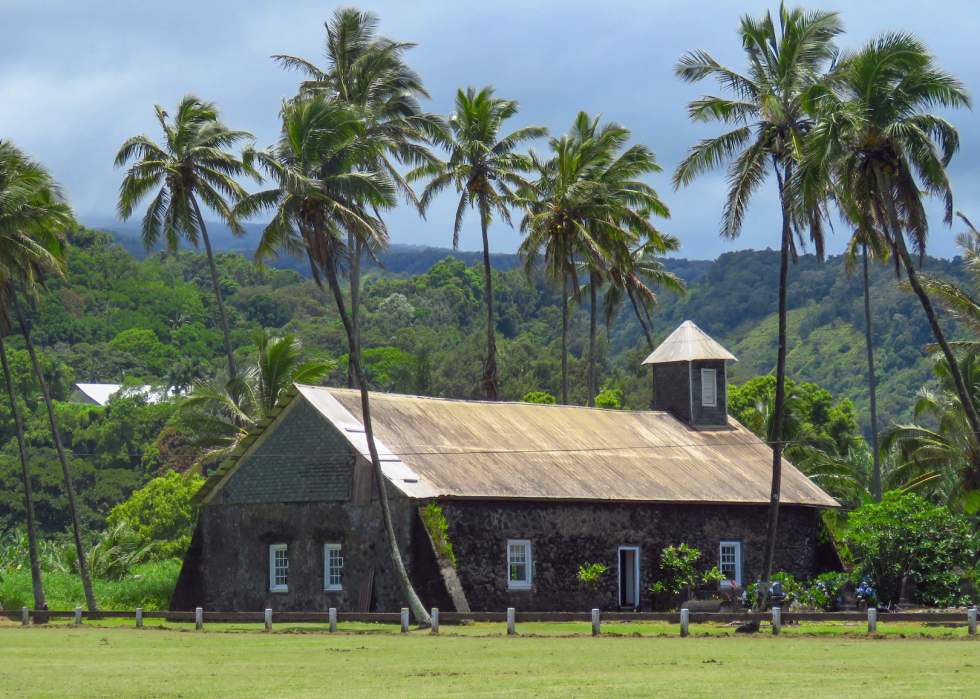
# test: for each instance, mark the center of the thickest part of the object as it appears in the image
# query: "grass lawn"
(110, 660)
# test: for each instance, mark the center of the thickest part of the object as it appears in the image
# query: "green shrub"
(590, 574)
(539, 397)
(905, 534)
(436, 524)
(161, 515)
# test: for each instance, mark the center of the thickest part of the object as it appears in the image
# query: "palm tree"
(367, 70)
(943, 460)
(222, 413)
(485, 171)
(871, 241)
(583, 210)
(193, 163)
(33, 218)
(771, 125)
(626, 277)
(881, 149)
(320, 198)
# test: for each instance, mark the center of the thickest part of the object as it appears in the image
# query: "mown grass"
(478, 661)
(150, 587)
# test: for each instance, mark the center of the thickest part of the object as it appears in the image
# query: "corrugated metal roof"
(687, 344)
(472, 449)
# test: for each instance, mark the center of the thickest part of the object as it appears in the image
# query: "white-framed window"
(278, 568)
(730, 563)
(519, 564)
(709, 388)
(333, 565)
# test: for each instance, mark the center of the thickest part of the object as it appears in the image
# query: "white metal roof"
(687, 344)
(99, 393)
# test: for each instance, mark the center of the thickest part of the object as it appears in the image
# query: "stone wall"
(565, 536)
(234, 556)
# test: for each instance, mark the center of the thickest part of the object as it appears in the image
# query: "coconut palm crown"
(192, 164)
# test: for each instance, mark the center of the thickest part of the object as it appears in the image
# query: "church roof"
(688, 343)
(438, 448)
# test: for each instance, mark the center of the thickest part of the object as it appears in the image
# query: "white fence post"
(777, 620)
(268, 620)
(435, 620)
(78, 616)
(25, 616)
(404, 620)
(333, 620)
(139, 617)
(595, 622)
(511, 621)
(872, 620)
(685, 621)
(199, 618)
(971, 620)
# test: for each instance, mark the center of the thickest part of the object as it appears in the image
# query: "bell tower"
(690, 377)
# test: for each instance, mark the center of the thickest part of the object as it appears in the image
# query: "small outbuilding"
(525, 494)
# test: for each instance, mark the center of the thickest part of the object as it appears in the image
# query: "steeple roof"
(687, 344)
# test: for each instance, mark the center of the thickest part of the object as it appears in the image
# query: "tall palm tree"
(882, 150)
(584, 209)
(221, 413)
(873, 244)
(771, 124)
(367, 70)
(485, 171)
(193, 163)
(321, 196)
(33, 219)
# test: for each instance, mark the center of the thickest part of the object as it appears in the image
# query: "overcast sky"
(77, 78)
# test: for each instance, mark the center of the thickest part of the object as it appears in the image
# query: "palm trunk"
(564, 339)
(762, 590)
(76, 520)
(639, 317)
(649, 336)
(871, 380)
(354, 244)
(418, 611)
(490, 379)
(898, 239)
(593, 378)
(217, 289)
(40, 603)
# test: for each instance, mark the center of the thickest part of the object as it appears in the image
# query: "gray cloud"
(76, 79)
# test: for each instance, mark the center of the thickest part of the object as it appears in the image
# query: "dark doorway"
(629, 576)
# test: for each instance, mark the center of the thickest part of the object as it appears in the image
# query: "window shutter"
(708, 388)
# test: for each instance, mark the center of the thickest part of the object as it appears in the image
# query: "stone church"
(528, 492)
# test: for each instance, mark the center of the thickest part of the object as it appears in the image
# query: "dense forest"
(154, 320)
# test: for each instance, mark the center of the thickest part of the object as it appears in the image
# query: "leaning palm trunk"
(636, 309)
(217, 289)
(593, 378)
(762, 590)
(490, 368)
(354, 243)
(871, 379)
(40, 603)
(59, 447)
(898, 239)
(418, 611)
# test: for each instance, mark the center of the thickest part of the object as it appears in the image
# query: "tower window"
(709, 388)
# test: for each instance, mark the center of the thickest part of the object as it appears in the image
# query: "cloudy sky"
(77, 78)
